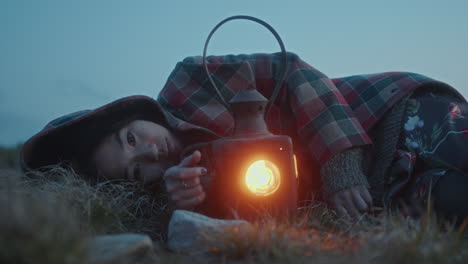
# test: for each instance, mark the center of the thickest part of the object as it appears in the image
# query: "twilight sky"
(60, 56)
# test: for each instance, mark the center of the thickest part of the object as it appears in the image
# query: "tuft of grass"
(314, 237)
(106, 207)
(9, 156)
(36, 228)
(424, 240)
(46, 218)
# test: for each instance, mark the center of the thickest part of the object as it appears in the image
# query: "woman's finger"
(348, 203)
(191, 182)
(366, 195)
(340, 210)
(191, 203)
(359, 202)
(186, 194)
(338, 205)
(191, 160)
(179, 174)
(174, 184)
(187, 174)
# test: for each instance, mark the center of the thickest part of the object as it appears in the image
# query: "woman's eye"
(130, 139)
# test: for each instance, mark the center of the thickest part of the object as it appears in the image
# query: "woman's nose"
(149, 152)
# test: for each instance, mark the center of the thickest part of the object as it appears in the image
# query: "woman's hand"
(352, 202)
(183, 182)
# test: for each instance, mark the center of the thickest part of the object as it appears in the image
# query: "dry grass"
(55, 212)
(49, 216)
(105, 207)
(9, 156)
(392, 240)
(313, 238)
(36, 227)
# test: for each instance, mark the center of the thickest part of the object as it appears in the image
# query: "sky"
(61, 56)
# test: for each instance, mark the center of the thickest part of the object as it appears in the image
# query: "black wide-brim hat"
(63, 138)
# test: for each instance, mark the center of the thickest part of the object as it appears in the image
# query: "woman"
(346, 134)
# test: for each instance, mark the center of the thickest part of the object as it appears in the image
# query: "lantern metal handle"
(284, 59)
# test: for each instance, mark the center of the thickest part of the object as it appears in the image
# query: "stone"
(119, 248)
(188, 231)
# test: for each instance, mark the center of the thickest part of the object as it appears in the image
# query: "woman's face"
(141, 150)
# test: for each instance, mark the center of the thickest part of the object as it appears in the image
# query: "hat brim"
(57, 143)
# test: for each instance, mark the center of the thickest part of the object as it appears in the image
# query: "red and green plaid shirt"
(325, 115)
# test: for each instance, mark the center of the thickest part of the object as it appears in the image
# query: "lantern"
(251, 172)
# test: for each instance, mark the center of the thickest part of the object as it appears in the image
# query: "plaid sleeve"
(314, 107)
(324, 120)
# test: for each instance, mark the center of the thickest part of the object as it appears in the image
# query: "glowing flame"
(295, 166)
(263, 178)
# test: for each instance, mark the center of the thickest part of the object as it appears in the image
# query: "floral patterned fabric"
(434, 140)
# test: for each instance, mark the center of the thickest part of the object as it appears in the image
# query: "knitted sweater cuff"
(343, 171)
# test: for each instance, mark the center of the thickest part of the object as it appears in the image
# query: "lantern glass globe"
(263, 178)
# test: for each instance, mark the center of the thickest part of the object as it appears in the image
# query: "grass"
(35, 226)
(47, 217)
(56, 212)
(9, 157)
(382, 239)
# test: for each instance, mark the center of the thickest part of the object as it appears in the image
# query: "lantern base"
(228, 160)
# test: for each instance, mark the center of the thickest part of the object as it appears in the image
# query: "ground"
(48, 217)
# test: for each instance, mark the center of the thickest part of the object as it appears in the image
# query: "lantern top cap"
(249, 95)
